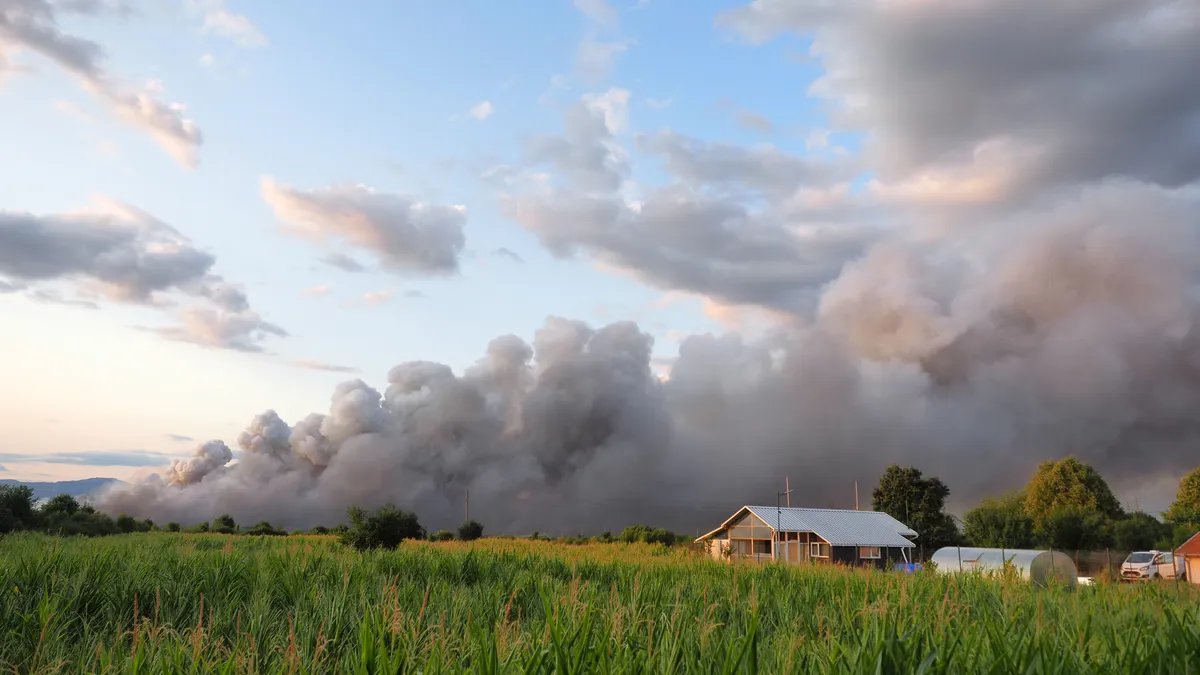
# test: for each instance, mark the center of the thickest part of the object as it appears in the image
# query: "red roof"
(1190, 547)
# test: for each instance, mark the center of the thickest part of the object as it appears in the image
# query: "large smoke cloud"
(1072, 331)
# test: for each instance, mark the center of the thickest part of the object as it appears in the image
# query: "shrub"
(442, 535)
(385, 528)
(470, 531)
(16, 508)
(265, 529)
(320, 529)
(647, 535)
(126, 523)
(173, 527)
(224, 524)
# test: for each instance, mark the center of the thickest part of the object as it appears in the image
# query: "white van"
(1148, 565)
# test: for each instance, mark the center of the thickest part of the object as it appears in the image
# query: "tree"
(224, 524)
(906, 495)
(1139, 531)
(646, 535)
(999, 523)
(385, 528)
(265, 529)
(470, 531)
(126, 523)
(1073, 528)
(442, 535)
(1186, 507)
(1068, 483)
(173, 527)
(63, 504)
(16, 508)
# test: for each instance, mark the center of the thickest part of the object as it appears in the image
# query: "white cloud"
(219, 20)
(597, 10)
(594, 59)
(614, 104)
(208, 60)
(482, 110)
(323, 289)
(377, 297)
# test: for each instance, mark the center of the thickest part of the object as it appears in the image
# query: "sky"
(214, 208)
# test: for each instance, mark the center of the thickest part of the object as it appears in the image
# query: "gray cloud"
(512, 255)
(92, 458)
(585, 153)
(1070, 331)
(343, 262)
(127, 255)
(1007, 99)
(754, 121)
(180, 438)
(33, 25)
(406, 235)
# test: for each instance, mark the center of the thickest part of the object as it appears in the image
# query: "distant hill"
(75, 488)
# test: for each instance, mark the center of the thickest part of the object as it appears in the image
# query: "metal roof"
(838, 527)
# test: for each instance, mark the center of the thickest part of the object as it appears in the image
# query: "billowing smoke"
(974, 357)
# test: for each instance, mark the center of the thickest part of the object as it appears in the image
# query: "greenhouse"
(1037, 567)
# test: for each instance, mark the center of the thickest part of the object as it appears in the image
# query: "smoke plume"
(973, 357)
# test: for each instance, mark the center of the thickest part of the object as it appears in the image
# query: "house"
(794, 535)
(1189, 556)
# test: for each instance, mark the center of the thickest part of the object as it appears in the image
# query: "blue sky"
(379, 96)
(856, 197)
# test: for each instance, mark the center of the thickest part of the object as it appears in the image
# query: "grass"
(177, 603)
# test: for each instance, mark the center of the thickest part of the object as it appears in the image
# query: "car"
(1149, 565)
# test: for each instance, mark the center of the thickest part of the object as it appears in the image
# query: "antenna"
(855, 495)
(778, 518)
(787, 487)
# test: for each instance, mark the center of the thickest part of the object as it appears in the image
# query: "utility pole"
(778, 518)
(855, 495)
(789, 491)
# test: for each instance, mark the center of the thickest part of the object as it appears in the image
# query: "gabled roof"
(836, 526)
(1190, 547)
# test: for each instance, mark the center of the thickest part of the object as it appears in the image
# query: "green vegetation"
(186, 603)
(919, 502)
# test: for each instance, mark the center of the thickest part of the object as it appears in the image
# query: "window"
(818, 549)
(762, 546)
(868, 552)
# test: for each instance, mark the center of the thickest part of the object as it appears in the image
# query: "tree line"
(1067, 505)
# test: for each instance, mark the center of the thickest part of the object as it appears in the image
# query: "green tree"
(1139, 531)
(385, 528)
(173, 527)
(1068, 483)
(999, 523)
(16, 508)
(224, 524)
(442, 535)
(126, 523)
(265, 529)
(1072, 528)
(63, 504)
(647, 535)
(470, 531)
(907, 495)
(1186, 507)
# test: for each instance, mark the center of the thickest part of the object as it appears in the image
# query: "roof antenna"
(788, 488)
(855, 495)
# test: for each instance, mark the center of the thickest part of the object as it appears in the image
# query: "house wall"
(848, 555)
(1192, 567)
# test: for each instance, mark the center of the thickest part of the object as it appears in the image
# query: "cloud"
(323, 289)
(414, 294)
(208, 60)
(92, 458)
(586, 153)
(594, 59)
(343, 262)
(242, 331)
(752, 120)
(218, 20)
(33, 25)
(377, 297)
(312, 364)
(614, 105)
(406, 235)
(658, 103)
(482, 110)
(180, 438)
(1024, 99)
(3, 468)
(508, 253)
(598, 11)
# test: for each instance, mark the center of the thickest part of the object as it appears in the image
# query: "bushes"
(385, 528)
(470, 531)
(265, 529)
(647, 535)
(442, 535)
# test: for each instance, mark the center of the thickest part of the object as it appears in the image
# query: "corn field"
(178, 603)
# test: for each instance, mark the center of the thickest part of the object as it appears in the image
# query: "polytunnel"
(1037, 567)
